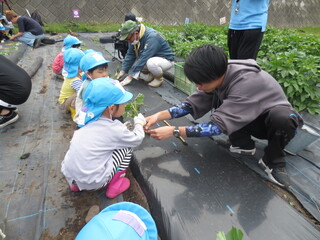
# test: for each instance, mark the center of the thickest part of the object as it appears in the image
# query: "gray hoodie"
(245, 93)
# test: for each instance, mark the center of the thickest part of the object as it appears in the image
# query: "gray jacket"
(245, 93)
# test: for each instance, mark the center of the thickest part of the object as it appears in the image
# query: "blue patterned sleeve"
(203, 130)
(76, 84)
(181, 110)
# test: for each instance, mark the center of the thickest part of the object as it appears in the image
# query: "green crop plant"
(233, 234)
(291, 57)
(133, 108)
(294, 60)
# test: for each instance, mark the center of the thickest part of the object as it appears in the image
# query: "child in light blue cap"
(120, 221)
(72, 79)
(94, 66)
(71, 42)
(68, 42)
(100, 151)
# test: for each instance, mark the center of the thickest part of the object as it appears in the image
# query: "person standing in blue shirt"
(248, 23)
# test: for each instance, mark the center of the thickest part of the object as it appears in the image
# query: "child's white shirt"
(89, 158)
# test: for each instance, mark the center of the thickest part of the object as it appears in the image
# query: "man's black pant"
(244, 44)
(278, 126)
(15, 84)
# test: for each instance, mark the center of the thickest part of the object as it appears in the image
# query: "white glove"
(126, 81)
(120, 74)
(140, 120)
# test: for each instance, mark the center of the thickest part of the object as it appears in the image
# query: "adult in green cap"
(128, 27)
(148, 57)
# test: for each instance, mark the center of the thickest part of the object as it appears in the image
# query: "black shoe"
(281, 175)
(5, 120)
(14, 109)
(277, 175)
(48, 41)
(37, 43)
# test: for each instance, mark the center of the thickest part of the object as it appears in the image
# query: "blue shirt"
(152, 44)
(250, 14)
(27, 24)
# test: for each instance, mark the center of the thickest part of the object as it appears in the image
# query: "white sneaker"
(146, 77)
(156, 82)
(242, 151)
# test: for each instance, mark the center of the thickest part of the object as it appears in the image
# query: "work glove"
(140, 120)
(126, 81)
(120, 74)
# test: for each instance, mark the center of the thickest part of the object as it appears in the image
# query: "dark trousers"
(15, 83)
(3, 36)
(278, 126)
(244, 44)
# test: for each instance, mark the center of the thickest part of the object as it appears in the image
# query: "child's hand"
(140, 120)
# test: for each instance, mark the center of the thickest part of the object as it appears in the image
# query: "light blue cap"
(71, 58)
(88, 51)
(70, 40)
(120, 221)
(100, 94)
(91, 60)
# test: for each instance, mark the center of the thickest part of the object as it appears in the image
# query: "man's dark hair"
(105, 65)
(206, 64)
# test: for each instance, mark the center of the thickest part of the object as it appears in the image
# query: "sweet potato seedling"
(133, 108)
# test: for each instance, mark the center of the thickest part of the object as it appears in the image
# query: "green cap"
(126, 28)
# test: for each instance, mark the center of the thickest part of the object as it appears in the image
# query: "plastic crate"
(181, 81)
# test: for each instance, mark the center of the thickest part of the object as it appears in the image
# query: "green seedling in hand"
(133, 108)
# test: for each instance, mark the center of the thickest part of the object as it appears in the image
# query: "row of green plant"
(294, 60)
(8, 47)
(289, 56)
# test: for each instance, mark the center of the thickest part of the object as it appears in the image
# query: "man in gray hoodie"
(244, 101)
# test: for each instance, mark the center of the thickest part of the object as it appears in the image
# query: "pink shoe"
(74, 188)
(118, 184)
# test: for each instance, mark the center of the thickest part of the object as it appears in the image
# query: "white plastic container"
(305, 136)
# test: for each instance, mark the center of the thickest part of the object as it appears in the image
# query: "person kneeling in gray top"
(244, 101)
